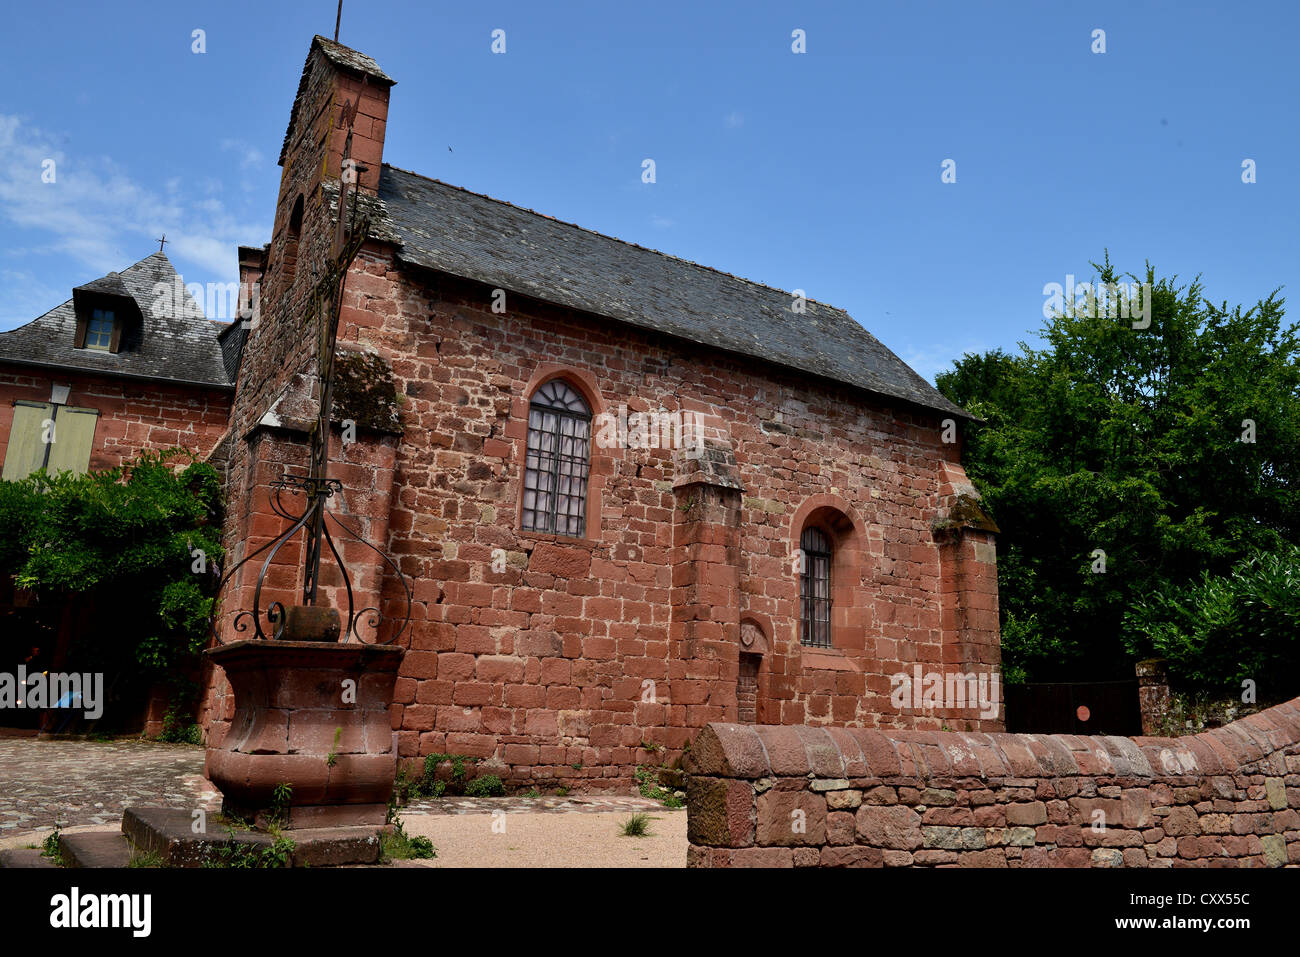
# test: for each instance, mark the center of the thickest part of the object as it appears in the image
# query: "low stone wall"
(771, 796)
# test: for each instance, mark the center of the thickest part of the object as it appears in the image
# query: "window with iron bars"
(815, 588)
(558, 462)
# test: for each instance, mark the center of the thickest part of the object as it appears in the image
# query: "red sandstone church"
(633, 494)
(585, 598)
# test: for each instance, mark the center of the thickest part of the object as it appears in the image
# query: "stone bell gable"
(633, 495)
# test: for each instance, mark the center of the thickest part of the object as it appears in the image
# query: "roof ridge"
(625, 242)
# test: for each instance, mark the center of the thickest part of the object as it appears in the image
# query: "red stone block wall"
(828, 797)
(133, 415)
(580, 651)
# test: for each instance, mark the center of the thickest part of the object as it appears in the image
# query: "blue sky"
(819, 171)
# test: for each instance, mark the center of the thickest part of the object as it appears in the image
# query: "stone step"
(95, 849)
(25, 857)
(169, 834)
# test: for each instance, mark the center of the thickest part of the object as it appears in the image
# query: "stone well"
(312, 715)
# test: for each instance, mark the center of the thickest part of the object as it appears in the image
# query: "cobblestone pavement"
(517, 804)
(90, 782)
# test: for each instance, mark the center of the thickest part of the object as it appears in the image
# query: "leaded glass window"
(815, 588)
(558, 461)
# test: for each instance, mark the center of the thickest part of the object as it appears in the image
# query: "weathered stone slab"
(169, 833)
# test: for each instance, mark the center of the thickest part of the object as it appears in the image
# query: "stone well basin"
(291, 699)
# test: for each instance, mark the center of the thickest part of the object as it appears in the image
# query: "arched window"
(291, 241)
(815, 588)
(558, 460)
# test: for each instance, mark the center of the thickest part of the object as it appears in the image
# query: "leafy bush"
(127, 540)
(178, 729)
(1226, 629)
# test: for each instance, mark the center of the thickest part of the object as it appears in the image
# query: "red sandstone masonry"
(763, 796)
(133, 414)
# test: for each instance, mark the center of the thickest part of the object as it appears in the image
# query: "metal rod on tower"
(337, 19)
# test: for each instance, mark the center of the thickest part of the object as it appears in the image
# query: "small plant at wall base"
(489, 785)
(178, 725)
(398, 845)
(430, 785)
(50, 846)
(178, 729)
(239, 854)
(281, 797)
(647, 780)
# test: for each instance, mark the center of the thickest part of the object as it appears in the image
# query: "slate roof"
(173, 347)
(233, 337)
(110, 285)
(443, 227)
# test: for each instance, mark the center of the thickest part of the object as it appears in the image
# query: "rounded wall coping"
(759, 751)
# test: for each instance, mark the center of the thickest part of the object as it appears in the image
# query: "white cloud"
(26, 297)
(249, 155)
(96, 215)
(929, 361)
(663, 222)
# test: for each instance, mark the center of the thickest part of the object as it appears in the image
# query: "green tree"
(1129, 442)
(140, 544)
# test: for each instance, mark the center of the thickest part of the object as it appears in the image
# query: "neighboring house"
(125, 364)
(128, 363)
(581, 592)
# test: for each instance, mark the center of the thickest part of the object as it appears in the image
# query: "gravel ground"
(549, 839)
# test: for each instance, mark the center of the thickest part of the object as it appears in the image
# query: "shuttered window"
(50, 437)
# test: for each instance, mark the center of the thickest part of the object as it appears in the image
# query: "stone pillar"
(704, 634)
(969, 596)
(1153, 695)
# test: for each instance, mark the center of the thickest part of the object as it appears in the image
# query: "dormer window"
(99, 330)
(108, 317)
